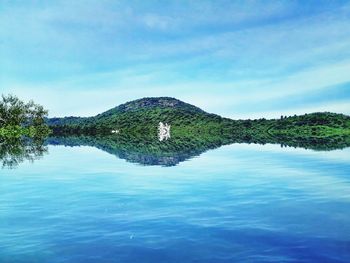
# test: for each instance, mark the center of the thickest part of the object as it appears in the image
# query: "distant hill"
(140, 118)
(151, 103)
(142, 114)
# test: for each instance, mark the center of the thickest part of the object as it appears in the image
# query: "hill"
(140, 119)
(137, 116)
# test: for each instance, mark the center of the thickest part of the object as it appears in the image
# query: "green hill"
(193, 131)
(139, 116)
(140, 119)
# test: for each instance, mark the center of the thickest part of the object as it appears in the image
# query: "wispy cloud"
(227, 57)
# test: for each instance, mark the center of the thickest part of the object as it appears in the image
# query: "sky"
(239, 59)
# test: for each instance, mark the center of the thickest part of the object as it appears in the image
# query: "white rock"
(163, 131)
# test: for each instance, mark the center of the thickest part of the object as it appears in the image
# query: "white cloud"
(219, 57)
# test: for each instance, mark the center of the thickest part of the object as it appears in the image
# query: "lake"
(237, 203)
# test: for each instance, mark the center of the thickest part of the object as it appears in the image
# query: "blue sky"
(240, 59)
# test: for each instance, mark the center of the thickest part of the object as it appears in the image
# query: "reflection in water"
(236, 204)
(138, 150)
(146, 151)
(152, 151)
(14, 151)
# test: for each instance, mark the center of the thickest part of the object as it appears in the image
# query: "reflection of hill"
(150, 151)
(139, 150)
(14, 151)
(314, 143)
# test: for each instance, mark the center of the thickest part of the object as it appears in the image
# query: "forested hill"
(151, 103)
(139, 114)
(141, 118)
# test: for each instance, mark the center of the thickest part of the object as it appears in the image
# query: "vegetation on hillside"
(193, 131)
(141, 118)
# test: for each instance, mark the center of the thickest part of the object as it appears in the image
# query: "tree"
(19, 118)
(15, 112)
(12, 111)
(35, 114)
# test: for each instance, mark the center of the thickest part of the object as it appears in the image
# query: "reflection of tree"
(14, 151)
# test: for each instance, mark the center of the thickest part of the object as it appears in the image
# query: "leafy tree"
(12, 111)
(18, 117)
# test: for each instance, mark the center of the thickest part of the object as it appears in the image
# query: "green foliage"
(142, 117)
(22, 119)
(195, 130)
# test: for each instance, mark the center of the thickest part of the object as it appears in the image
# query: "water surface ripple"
(239, 203)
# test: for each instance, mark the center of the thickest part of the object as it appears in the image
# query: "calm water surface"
(239, 203)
